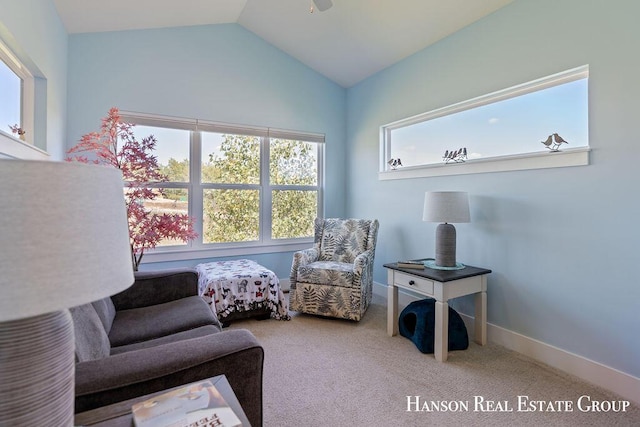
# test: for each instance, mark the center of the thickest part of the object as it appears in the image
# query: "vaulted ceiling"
(347, 43)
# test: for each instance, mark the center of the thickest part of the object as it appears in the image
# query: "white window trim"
(534, 160)
(10, 145)
(196, 249)
(13, 148)
(168, 254)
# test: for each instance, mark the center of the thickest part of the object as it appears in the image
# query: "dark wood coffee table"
(119, 414)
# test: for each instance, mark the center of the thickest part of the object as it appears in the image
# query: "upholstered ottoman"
(241, 288)
(417, 323)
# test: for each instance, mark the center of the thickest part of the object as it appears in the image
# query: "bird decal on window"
(458, 156)
(553, 142)
(394, 163)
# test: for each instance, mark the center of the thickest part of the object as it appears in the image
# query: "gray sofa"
(159, 334)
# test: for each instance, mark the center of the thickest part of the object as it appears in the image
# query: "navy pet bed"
(417, 323)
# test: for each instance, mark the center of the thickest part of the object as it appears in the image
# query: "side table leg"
(441, 332)
(480, 323)
(392, 310)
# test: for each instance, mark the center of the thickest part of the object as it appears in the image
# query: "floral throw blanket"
(241, 285)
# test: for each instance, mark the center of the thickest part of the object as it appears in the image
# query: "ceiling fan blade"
(323, 5)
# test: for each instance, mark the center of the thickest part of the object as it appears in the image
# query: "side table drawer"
(420, 284)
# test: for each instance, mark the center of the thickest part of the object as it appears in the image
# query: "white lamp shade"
(64, 238)
(323, 5)
(446, 206)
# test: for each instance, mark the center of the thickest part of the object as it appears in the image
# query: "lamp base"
(432, 264)
(37, 371)
(446, 245)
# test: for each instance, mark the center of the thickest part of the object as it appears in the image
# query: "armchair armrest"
(234, 353)
(301, 258)
(363, 267)
(157, 287)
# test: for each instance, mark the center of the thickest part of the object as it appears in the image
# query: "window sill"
(11, 147)
(182, 254)
(539, 160)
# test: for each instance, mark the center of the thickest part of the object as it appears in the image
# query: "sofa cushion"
(106, 312)
(146, 323)
(180, 336)
(91, 339)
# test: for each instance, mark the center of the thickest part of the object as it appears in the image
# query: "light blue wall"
(562, 243)
(222, 73)
(36, 28)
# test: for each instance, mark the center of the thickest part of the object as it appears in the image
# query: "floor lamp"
(446, 207)
(64, 242)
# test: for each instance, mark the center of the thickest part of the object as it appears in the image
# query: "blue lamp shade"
(64, 241)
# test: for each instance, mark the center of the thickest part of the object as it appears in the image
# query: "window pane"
(230, 159)
(10, 88)
(174, 201)
(172, 150)
(293, 213)
(293, 162)
(513, 126)
(231, 215)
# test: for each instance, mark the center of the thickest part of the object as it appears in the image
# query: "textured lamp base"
(446, 245)
(37, 371)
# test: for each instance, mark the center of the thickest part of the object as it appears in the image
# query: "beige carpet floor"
(329, 372)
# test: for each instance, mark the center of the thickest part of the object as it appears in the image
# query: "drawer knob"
(411, 282)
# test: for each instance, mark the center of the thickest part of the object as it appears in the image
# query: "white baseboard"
(625, 385)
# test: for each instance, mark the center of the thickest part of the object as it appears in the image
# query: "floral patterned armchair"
(335, 277)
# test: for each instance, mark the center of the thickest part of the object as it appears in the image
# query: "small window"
(23, 91)
(11, 105)
(549, 115)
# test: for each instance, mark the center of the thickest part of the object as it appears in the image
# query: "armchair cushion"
(327, 272)
(342, 240)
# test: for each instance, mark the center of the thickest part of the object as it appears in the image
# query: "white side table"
(442, 285)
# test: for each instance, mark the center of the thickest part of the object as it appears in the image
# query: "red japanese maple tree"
(116, 145)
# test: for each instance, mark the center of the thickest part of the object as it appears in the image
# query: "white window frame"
(10, 145)
(536, 160)
(197, 249)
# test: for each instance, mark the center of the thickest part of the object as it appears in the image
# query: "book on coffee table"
(199, 404)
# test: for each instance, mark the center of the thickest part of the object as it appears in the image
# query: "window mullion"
(265, 196)
(196, 190)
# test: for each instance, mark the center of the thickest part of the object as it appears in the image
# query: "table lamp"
(64, 242)
(446, 207)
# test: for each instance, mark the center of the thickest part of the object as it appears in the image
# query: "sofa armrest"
(234, 353)
(157, 287)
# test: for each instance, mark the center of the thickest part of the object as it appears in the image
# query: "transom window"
(548, 115)
(244, 186)
(11, 90)
(23, 92)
